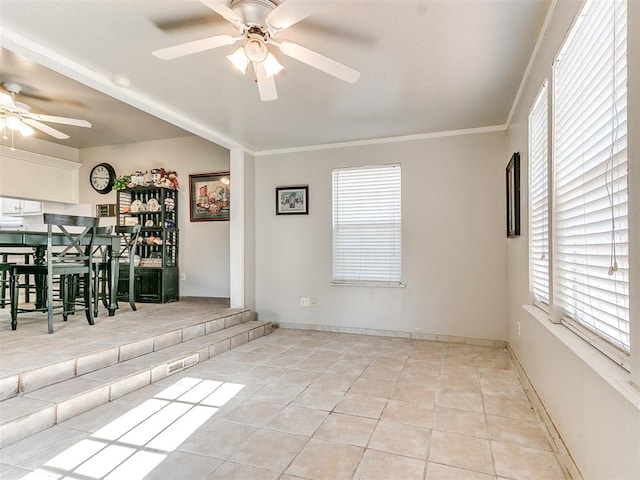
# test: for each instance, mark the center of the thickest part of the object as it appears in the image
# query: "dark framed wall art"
(209, 196)
(513, 196)
(292, 200)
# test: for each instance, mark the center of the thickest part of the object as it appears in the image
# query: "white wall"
(204, 246)
(590, 400)
(453, 240)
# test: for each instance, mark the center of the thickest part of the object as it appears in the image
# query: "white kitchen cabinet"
(12, 206)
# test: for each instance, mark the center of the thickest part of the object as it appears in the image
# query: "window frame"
(342, 274)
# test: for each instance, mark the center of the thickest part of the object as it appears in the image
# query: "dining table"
(37, 240)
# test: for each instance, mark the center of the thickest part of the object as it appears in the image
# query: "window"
(366, 225)
(589, 213)
(539, 198)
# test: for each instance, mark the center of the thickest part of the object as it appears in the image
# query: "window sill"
(355, 283)
(612, 373)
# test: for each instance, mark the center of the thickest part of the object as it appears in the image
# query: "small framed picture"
(292, 200)
(513, 196)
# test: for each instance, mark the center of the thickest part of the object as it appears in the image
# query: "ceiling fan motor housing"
(253, 12)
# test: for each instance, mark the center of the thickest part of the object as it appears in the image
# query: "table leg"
(113, 282)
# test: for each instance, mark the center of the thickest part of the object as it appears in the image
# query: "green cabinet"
(157, 273)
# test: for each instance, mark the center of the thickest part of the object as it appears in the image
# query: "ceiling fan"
(17, 116)
(259, 22)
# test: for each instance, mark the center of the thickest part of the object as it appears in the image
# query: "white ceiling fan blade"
(266, 85)
(292, 11)
(196, 46)
(64, 120)
(45, 128)
(6, 100)
(221, 9)
(320, 62)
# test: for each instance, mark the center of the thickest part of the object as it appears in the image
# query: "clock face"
(102, 177)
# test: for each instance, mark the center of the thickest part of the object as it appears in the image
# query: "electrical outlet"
(313, 302)
(183, 276)
(304, 301)
(518, 328)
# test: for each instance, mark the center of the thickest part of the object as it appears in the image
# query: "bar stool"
(69, 262)
(125, 256)
(5, 274)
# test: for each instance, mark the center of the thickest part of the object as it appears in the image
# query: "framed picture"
(292, 200)
(209, 196)
(513, 196)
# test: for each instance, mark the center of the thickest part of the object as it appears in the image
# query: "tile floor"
(309, 405)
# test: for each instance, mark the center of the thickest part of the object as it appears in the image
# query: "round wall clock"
(102, 177)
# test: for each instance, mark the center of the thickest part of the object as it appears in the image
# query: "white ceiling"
(426, 66)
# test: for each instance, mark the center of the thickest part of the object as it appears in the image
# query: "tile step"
(34, 411)
(15, 383)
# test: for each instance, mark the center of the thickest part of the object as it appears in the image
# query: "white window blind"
(367, 225)
(539, 197)
(590, 174)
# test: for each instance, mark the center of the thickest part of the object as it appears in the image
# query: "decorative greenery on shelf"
(156, 177)
(121, 182)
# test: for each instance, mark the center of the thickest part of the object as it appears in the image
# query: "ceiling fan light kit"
(18, 117)
(259, 22)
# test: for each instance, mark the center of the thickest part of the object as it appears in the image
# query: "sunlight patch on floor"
(135, 443)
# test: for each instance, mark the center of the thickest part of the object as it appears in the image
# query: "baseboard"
(393, 333)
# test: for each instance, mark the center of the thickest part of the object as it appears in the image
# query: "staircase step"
(31, 379)
(35, 410)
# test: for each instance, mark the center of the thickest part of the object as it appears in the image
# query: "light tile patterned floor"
(316, 406)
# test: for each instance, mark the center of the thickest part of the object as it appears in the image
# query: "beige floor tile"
(501, 375)
(347, 429)
(318, 398)
(278, 393)
(314, 364)
(414, 392)
(382, 372)
(435, 471)
(261, 374)
(283, 362)
(269, 450)
(361, 405)
(521, 432)
(507, 407)
(331, 381)
(372, 387)
(523, 463)
(297, 377)
(408, 413)
(499, 388)
(461, 451)
(298, 420)
(467, 372)
(465, 422)
(427, 377)
(217, 439)
(320, 460)
(377, 465)
(460, 383)
(184, 465)
(235, 471)
(347, 368)
(296, 352)
(445, 397)
(405, 440)
(252, 412)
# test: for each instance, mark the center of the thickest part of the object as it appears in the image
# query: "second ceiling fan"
(259, 22)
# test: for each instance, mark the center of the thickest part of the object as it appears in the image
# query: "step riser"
(59, 411)
(30, 381)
